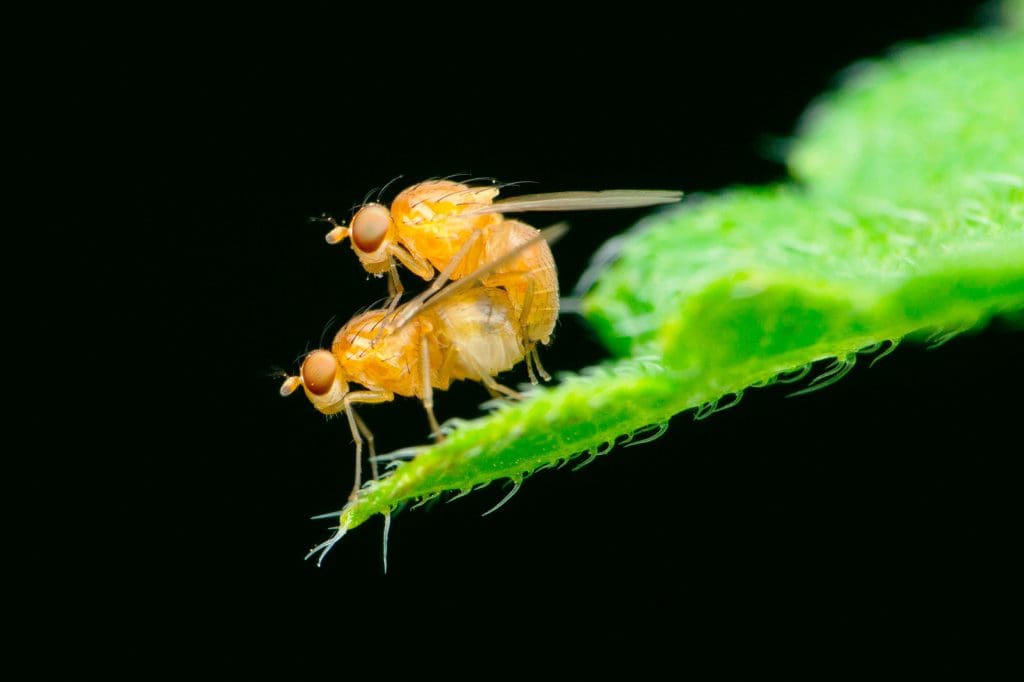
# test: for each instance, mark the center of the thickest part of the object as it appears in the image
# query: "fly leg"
(368, 435)
(492, 386)
(395, 288)
(532, 357)
(529, 344)
(524, 329)
(350, 399)
(419, 266)
(428, 389)
(395, 291)
(536, 362)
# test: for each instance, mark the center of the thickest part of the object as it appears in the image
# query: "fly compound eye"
(369, 227)
(318, 372)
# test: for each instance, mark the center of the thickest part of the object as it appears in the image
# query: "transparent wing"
(580, 201)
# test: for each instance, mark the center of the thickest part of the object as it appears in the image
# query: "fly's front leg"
(395, 288)
(349, 400)
(419, 266)
(368, 435)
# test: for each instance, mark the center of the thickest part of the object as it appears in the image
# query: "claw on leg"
(536, 361)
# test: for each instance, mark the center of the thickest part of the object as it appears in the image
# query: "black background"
(877, 512)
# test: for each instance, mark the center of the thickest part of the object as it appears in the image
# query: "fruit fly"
(457, 229)
(466, 331)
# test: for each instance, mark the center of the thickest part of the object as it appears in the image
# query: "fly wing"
(580, 201)
(410, 310)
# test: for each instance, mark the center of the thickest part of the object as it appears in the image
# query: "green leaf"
(907, 220)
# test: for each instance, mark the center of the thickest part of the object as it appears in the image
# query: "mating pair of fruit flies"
(500, 301)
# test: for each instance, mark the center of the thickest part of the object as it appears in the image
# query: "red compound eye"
(318, 372)
(369, 227)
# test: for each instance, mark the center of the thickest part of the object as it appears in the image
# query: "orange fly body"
(457, 229)
(467, 331)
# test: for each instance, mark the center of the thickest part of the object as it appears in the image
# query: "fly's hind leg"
(531, 355)
(536, 362)
(524, 329)
(492, 386)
